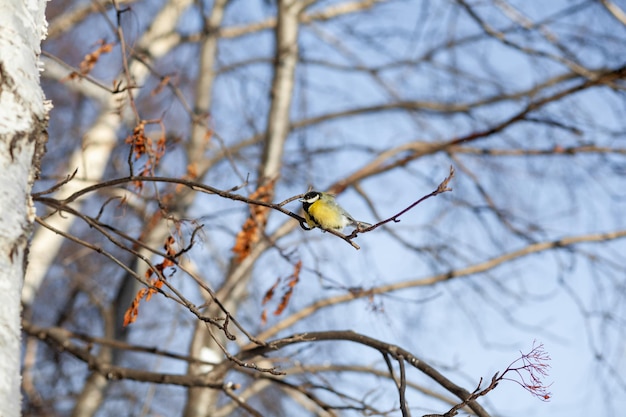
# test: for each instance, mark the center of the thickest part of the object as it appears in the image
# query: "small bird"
(321, 210)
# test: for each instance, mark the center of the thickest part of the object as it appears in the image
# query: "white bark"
(282, 87)
(23, 121)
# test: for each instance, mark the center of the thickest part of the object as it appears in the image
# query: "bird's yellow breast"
(325, 215)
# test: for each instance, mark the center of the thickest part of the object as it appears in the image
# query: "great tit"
(321, 210)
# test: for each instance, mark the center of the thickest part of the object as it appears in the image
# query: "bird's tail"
(361, 225)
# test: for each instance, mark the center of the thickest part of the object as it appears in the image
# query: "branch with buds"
(527, 371)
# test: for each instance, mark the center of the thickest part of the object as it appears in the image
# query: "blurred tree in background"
(180, 126)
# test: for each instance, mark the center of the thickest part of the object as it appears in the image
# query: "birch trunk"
(23, 122)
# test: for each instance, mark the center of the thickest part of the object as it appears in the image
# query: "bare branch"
(384, 348)
(60, 339)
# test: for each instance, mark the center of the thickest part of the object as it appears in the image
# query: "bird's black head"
(311, 197)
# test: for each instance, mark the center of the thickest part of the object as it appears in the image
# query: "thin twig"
(442, 188)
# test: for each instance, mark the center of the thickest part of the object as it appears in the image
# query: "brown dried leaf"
(251, 230)
(90, 60)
